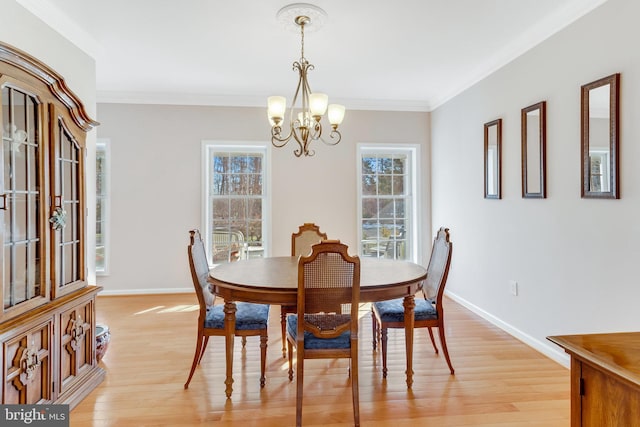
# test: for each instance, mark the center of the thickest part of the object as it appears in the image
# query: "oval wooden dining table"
(274, 280)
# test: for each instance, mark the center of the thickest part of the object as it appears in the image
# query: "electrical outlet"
(513, 287)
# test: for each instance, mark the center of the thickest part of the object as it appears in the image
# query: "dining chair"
(308, 234)
(428, 312)
(251, 319)
(326, 322)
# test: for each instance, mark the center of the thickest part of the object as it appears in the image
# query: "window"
(235, 202)
(102, 206)
(388, 205)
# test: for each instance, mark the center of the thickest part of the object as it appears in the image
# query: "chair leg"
(354, 387)
(290, 353)
(433, 341)
(196, 358)
(204, 343)
(244, 341)
(263, 358)
(443, 341)
(374, 329)
(299, 384)
(283, 327)
(384, 352)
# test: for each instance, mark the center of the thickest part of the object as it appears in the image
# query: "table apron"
(284, 297)
(261, 297)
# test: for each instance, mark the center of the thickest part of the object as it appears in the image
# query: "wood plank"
(499, 381)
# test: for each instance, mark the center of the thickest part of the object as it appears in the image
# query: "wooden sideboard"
(605, 378)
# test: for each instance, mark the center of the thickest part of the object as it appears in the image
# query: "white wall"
(574, 259)
(156, 183)
(24, 31)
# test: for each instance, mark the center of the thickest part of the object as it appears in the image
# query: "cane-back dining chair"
(251, 319)
(308, 234)
(429, 312)
(326, 323)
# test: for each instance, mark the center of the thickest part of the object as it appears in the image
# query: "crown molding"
(537, 34)
(62, 24)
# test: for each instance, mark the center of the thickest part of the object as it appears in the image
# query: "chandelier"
(307, 108)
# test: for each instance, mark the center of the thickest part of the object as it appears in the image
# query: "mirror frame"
(542, 165)
(614, 107)
(498, 194)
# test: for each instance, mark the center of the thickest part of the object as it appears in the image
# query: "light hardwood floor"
(499, 381)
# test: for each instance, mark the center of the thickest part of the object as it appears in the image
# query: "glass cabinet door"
(67, 210)
(23, 279)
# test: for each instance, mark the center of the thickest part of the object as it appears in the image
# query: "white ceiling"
(408, 55)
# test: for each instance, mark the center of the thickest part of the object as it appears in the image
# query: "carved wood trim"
(56, 84)
(29, 364)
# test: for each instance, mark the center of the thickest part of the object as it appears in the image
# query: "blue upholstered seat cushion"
(393, 310)
(311, 342)
(248, 316)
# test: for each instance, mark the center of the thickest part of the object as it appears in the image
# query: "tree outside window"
(386, 218)
(235, 204)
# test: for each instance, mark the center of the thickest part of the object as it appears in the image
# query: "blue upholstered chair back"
(438, 265)
(200, 270)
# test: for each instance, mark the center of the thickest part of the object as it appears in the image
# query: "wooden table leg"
(409, 305)
(230, 332)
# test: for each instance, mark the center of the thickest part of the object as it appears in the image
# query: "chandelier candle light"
(304, 119)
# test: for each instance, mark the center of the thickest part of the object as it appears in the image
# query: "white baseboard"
(548, 349)
(117, 292)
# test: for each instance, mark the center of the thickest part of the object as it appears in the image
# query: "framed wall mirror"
(600, 145)
(534, 137)
(492, 159)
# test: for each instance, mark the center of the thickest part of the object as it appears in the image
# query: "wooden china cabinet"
(47, 321)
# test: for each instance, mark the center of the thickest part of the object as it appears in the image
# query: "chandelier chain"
(302, 41)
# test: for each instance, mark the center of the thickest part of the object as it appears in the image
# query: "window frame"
(104, 144)
(412, 151)
(212, 146)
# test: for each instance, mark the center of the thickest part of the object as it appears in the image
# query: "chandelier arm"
(294, 123)
(305, 93)
(333, 135)
(308, 67)
(277, 140)
(296, 66)
(316, 131)
(301, 136)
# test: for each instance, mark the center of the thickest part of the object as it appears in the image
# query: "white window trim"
(236, 146)
(416, 208)
(106, 238)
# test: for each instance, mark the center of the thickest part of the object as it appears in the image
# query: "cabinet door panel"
(22, 192)
(67, 187)
(27, 367)
(607, 401)
(77, 344)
